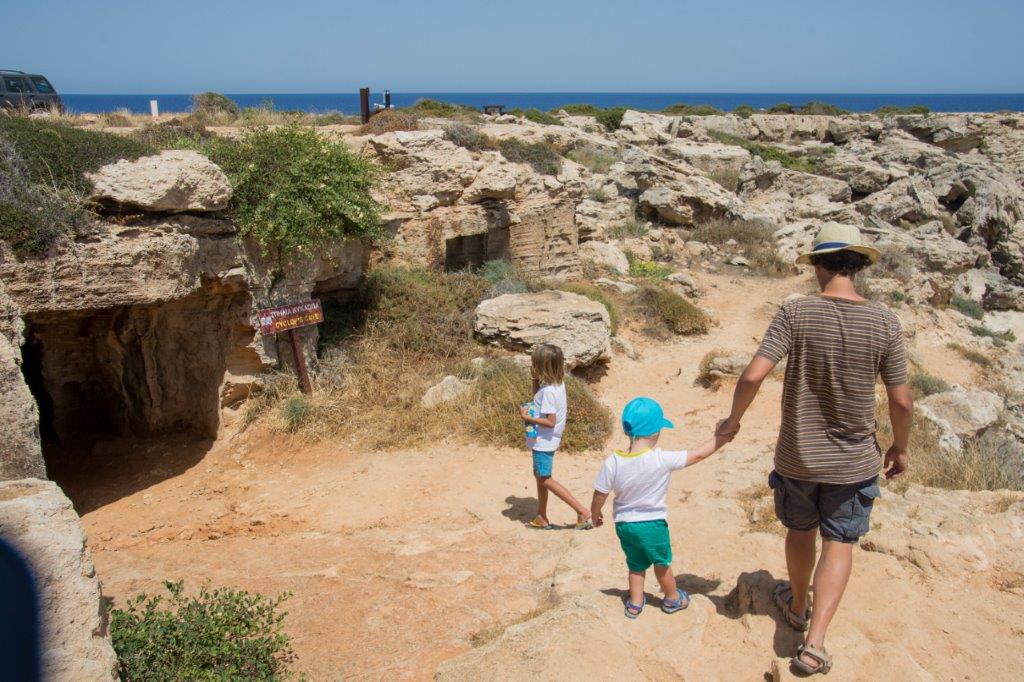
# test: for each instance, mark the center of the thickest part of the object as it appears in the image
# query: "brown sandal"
(782, 595)
(819, 655)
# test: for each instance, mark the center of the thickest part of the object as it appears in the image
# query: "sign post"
(288, 318)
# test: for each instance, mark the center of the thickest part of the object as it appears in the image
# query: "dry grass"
(122, 118)
(489, 634)
(727, 177)
(753, 240)
(704, 376)
(409, 329)
(389, 121)
(981, 465)
(592, 158)
(758, 504)
(975, 356)
(668, 310)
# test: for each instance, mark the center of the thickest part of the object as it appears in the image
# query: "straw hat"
(834, 237)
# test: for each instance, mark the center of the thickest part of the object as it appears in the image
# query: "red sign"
(286, 317)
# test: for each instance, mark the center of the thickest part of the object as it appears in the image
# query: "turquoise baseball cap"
(643, 417)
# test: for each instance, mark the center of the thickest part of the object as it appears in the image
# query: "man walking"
(827, 458)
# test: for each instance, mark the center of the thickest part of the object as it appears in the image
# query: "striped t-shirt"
(837, 348)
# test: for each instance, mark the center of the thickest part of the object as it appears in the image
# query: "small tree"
(214, 104)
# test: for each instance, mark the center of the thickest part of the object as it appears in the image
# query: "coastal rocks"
(21, 456)
(719, 364)
(593, 217)
(581, 327)
(711, 157)
(842, 130)
(961, 413)
(948, 131)
(495, 181)
(427, 170)
(933, 248)
(862, 175)
(638, 127)
(909, 199)
(445, 391)
(170, 182)
(786, 195)
(604, 256)
(39, 521)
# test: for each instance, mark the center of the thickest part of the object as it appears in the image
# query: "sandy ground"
(416, 563)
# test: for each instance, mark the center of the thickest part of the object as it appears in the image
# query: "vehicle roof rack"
(10, 71)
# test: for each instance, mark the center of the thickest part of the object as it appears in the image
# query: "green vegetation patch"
(971, 309)
(673, 311)
(390, 121)
(924, 384)
(432, 108)
(889, 109)
(579, 109)
(296, 192)
(628, 228)
(753, 239)
(646, 269)
(537, 116)
(744, 111)
(592, 158)
(683, 109)
(815, 108)
(540, 155)
(220, 634)
(766, 152)
(611, 118)
(468, 136)
(214, 105)
(186, 132)
(58, 156)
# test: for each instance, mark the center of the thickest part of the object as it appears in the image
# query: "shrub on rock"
(611, 119)
(295, 191)
(673, 311)
(214, 105)
(389, 121)
(540, 155)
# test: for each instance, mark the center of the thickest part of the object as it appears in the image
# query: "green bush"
(781, 108)
(766, 152)
(416, 310)
(333, 118)
(296, 192)
(495, 271)
(294, 412)
(432, 108)
(467, 136)
(540, 155)
(814, 108)
(744, 111)
(537, 116)
(33, 217)
(924, 385)
(968, 307)
(675, 312)
(611, 118)
(223, 634)
(503, 385)
(646, 269)
(579, 109)
(58, 156)
(1000, 338)
(683, 109)
(895, 109)
(214, 105)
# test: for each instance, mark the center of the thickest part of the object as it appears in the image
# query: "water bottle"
(531, 429)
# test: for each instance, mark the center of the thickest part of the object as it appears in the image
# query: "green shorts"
(645, 543)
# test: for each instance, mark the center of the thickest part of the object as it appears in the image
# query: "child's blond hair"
(548, 364)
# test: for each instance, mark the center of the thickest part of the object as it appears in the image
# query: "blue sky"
(185, 46)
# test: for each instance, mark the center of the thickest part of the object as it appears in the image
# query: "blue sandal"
(632, 610)
(673, 605)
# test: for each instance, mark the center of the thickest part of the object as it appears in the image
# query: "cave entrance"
(465, 252)
(131, 395)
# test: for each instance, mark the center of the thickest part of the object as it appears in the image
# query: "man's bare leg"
(830, 579)
(800, 556)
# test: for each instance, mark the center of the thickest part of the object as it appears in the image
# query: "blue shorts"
(542, 462)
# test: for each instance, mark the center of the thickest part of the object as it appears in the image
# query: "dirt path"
(411, 563)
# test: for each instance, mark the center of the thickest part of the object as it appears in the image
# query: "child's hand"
(597, 518)
(524, 412)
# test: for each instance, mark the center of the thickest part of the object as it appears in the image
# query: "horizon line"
(569, 92)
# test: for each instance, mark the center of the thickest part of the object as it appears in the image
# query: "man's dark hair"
(846, 263)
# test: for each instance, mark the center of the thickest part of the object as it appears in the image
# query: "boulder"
(961, 413)
(721, 363)
(622, 287)
(593, 218)
(687, 285)
(624, 347)
(842, 130)
(495, 181)
(949, 131)
(172, 181)
(710, 157)
(639, 127)
(39, 521)
(581, 327)
(19, 419)
(604, 256)
(862, 175)
(445, 391)
(910, 199)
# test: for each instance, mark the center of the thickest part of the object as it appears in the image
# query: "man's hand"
(896, 462)
(727, 429)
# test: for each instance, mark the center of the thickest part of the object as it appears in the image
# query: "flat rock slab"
(172, 181)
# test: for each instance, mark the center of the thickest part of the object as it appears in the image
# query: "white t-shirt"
(639, 481)
(550, 399)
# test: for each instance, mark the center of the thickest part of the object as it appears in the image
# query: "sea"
(348, 103)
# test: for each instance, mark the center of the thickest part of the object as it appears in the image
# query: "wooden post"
(300, 362)
(364, 105)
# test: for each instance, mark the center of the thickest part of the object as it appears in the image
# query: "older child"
(551, 408)
(639, 478)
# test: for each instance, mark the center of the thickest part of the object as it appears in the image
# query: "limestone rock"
(863, 175)
(710, 157)
(495, 181)
(720, 364)
(624, 347)
(960, 413)
(621, 287)
(593, 218)
(39, 521)
(448, 389)
(842, 130)
(910, 199)
(605, 256)
(581, 327)
(172, 181)
(787, 195)
(686, 283)
(644, 128)
(19, 419)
